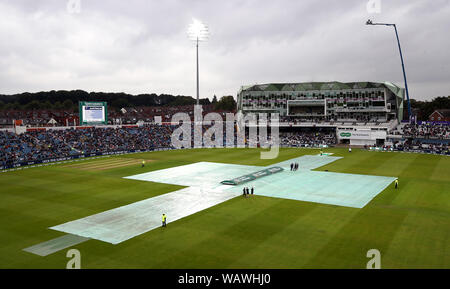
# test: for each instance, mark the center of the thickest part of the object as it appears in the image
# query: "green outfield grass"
(409, 226)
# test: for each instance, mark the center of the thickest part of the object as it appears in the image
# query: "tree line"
(63, 99)
(423, 109)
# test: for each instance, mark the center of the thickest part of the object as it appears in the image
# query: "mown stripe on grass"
(422, 167)
(391, 164)
(252, 227)
(421, 242)
(441, 172)
(395, 167)
(297, 243)
(376, 164)
(348, 163)
(94, 166)
(94, 163)
(110, 165)
(370, 228)
(84, 162)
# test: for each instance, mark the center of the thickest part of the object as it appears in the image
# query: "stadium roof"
(333, 85)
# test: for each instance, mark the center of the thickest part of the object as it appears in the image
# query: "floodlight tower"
(197, 32)
(369, 22)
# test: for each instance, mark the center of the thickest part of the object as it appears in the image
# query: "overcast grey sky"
(141, 46)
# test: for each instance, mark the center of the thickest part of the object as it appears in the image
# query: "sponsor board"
(252, 176)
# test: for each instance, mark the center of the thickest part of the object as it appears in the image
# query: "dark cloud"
(142, 46)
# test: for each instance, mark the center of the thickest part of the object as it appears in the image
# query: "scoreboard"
(93, 113)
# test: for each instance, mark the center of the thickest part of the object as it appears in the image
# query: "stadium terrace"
(358, 113)
(353, 101)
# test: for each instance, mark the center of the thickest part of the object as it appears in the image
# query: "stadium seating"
(42, 144)
(47, 144)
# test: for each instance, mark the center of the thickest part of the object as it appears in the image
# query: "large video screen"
(93, 113)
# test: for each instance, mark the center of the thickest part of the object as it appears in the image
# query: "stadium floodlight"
(197, 32)
(369, 22)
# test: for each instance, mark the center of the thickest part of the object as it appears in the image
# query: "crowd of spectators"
(37, 145)
(41, 144)
(427, 130)
(307, 139)
(417, 145)
(48, 144)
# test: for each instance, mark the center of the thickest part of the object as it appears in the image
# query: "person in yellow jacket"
(396, 183)
(164, 218)
(143, 163)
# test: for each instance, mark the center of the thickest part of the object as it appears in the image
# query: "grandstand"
(333, 101)
(362, 113)
(429, 137)
(51, 144)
